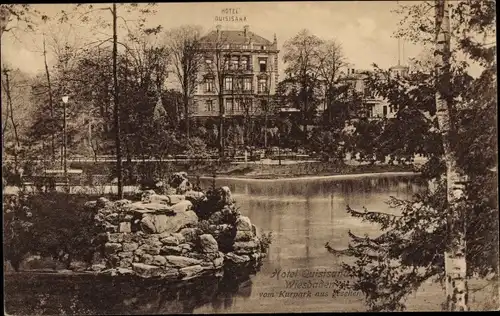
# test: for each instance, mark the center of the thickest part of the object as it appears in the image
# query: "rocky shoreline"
(179, 235)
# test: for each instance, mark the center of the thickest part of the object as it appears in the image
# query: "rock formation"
(177, 236)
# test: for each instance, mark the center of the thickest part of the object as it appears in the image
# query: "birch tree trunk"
(455, 263)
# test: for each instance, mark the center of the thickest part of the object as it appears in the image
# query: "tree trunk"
(455, 261)
(51, 101)
(11, 110)
(4, 20)
(186, 107)
(117, 107)
(221, 125)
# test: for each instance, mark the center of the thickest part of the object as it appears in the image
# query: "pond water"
(301, 214)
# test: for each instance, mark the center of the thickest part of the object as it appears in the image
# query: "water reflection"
(54, 294)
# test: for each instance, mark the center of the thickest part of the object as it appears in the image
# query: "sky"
(363, 28)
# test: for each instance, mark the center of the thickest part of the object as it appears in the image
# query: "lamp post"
(65, 158)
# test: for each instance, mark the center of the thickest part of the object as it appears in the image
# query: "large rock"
(208, 244)
(175, 198)
(125, 227)
(179, 237)
(158, 198)
(194, 195)
(112, 248)
(170, 250)
(190, 234)
(243, 235)
(114, 237)
(146, 259)
(146, 270)
(226, 195)
(245, 247)
(216, 218)
(176, 179)
(170, 241)
(237, 259)
(219, 261)
(191, 272)
(126, 254)
(243, 224)
(181, 261)
(182, 206)
(130, 246)
(125, 262)
(151, 249)
(159, 260)
(184, 186)
(122, 202)
(103, 202)
(140, 208)
(157, 224)
(185, 248)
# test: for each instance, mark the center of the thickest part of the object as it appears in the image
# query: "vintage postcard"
(249, 157)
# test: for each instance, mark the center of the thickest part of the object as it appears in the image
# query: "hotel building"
(241, 69)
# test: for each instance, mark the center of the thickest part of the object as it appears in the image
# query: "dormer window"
(263, 47)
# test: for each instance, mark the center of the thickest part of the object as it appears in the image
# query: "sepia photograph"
(249, 157)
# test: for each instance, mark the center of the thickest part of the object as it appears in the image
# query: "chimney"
(275, 39)
(218, 27)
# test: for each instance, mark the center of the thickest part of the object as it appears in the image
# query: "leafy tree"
(411, 248)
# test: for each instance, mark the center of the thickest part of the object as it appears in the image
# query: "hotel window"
(209, 85)
(229, 106)
(247, 84)
(247, 105)
(210, 106)
(239, 84)
(234, 63)
(228, 83)
(263, 65)
(262, 86)
(263, 105)
(244, 63)
(237, 104)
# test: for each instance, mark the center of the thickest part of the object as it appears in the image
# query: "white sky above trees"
(363, 28)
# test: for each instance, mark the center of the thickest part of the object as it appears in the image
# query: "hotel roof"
(236, 37)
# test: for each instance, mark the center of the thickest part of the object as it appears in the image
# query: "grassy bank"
(261, 171)
(134, 173)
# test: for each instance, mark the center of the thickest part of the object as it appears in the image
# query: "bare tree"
(330, 59)
(217, 58)
(6, 85)
(301, 60)
(183, 44)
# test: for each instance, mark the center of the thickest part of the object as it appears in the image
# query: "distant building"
(249, 73)
(373, 106)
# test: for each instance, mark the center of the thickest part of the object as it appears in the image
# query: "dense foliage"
(54, 225)
(411, 248)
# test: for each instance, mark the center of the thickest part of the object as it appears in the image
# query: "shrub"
(50, 224)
